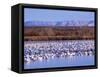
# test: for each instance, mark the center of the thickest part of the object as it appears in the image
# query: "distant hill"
(59, 23)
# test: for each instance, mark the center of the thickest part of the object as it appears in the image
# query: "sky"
(50, 15)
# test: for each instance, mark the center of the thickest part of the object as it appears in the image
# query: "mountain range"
(59, 23)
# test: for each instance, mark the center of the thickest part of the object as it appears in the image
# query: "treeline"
(57, 33)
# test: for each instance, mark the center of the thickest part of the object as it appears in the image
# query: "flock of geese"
(46, 50)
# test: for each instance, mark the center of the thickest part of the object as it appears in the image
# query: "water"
(62, 62)
(50, 54)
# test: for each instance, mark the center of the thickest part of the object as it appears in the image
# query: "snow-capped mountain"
(59, 23)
